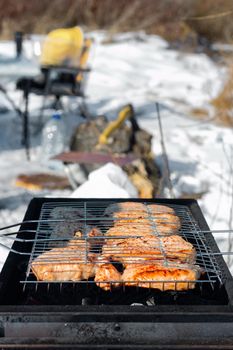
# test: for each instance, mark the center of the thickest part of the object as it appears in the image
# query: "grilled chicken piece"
(161, 217)
(72, 260)
(175, 276)
(125, 217)
(94, 238)
(138, 207)
(158, 230)
(166, 220)
(71, 263)
(149, 248)
(159, 226)
(106, 274)
(141, 229)
(156, 209)
(125, 207)
(163, 223)
(166, 229)
(129, 231)
(175, 247)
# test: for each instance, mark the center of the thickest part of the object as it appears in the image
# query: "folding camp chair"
(60, 76)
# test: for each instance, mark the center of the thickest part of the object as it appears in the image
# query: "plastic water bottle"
(53, 141)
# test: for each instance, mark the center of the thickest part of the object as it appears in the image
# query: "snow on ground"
(142, 70)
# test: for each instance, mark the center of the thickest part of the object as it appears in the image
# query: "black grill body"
(84, 318)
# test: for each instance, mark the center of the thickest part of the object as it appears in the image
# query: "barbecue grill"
(79, 314)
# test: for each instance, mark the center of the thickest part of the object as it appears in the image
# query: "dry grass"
(109, 14)
(173, 19)
(223, 103)
(199, 113)
(212, 19)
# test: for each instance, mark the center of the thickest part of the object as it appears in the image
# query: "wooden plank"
(94, 158)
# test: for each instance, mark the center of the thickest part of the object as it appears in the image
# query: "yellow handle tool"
(125, 113)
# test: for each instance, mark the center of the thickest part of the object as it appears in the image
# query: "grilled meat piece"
(106, 274)
(140, 227)
(64, 264)
(161, 217)
(167, 220)
(72, 262)
(125, 207)
(149, 248)
(156, 209)
(130, 231)
(138, 207)
(175, 276)
(92, 239)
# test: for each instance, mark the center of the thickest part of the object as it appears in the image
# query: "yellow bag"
(62, 47)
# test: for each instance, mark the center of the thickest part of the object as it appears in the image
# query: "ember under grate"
(93, 215)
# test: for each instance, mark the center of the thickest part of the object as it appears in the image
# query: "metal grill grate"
(59, 220)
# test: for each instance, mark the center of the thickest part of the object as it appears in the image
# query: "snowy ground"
(141, 70)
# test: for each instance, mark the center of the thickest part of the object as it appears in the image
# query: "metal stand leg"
(26, 136)
(58, 103)
(45, 95)
(83, 110)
